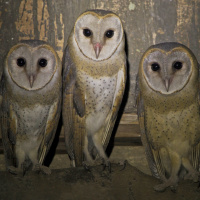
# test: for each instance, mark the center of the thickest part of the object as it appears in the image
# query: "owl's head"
(31, 64)
(167, 67)
(98, 34)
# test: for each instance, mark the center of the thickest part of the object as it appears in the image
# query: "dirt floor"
(77, 183)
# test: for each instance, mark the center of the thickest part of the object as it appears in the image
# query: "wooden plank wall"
(146, 22)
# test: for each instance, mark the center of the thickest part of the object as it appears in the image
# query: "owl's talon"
(86, 166)
(45, 170)
(124, 165)
(99, 161)
(159, 188)
(41, 168)
(107, 164)
(194, 176)
(36, 168)
(13, 170)
(17, 171)
(172, 183)
(173, 188)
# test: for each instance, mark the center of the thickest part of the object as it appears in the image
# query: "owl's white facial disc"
(98, 37)
(167, 72)
(31, 68)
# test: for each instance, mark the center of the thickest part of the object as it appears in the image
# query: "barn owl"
(93, 84)
(31, 90)
(168, 112)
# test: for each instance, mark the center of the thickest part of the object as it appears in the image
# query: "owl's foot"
(17, 170)
(122, 163)
(87, 165)
(42, 168)
(171, 182)
(107, 164)
(194, 176)
(14, 170)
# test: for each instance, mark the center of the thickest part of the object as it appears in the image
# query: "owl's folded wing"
(73, 111)
(195, 156)
(152, 156)
(8, 134)
(119, 91)
(50, 129)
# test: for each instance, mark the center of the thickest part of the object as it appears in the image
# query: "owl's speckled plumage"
(31, 89)
(169, 113)
(93, 84)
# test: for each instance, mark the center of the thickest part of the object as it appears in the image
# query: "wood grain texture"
(146, 22)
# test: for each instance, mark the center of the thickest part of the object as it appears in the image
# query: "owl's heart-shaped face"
(97, 36)
(31, 67)
(167, 71)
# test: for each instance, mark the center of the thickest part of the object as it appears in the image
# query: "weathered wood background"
(146, 22)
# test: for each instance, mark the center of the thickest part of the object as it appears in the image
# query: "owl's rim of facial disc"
(97, 15)
(38, 47)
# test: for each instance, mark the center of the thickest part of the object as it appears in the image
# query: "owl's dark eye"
(178, 65)
(109, 33)
(21, 62)
(42, 62)
(87, 32)
(155, 67)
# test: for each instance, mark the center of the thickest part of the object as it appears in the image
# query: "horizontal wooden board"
(129, 118)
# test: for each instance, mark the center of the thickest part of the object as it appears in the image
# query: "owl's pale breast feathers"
(99, 94)
(31, 120)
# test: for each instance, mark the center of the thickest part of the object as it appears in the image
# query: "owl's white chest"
(31, 120)
(99, 97)
(100, 94)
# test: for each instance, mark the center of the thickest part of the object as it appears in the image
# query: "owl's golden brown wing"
(50, 129)
(8, 134)
(153, 157)
(195, 156)
(73, 111)
(112, 116)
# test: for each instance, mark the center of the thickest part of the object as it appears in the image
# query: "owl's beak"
(167, 82)
(97, 49)
(31, 80)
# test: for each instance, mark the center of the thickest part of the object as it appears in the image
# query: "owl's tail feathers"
(42, 155)
(195, 157)
(78, 140)
(159, 172)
